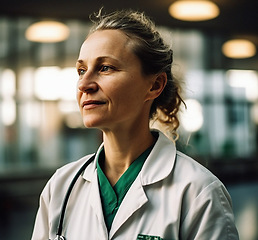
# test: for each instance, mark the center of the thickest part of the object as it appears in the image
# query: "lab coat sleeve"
(210, 216)
(41, 226)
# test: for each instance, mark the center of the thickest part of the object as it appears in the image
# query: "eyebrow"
(99, 59)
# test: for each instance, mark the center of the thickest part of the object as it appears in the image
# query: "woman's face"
(112, 90)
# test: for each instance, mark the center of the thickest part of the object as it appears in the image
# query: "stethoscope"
(67, 195)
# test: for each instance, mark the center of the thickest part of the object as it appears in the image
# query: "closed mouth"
(92, 102)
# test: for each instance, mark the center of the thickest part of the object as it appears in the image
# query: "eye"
(106, 68)
(81, 71)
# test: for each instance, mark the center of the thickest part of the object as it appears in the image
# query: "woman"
(137, 186)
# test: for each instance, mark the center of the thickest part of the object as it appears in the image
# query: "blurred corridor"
(41, 127)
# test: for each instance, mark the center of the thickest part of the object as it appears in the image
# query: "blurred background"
(41, 127)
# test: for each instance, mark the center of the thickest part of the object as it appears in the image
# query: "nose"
(87, 84)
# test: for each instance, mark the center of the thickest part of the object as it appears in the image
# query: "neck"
(122, 148)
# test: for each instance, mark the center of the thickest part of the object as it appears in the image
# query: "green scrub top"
(111, 197)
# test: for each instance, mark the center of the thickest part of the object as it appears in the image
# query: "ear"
(158, 84)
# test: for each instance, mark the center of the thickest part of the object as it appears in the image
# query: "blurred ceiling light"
(192, 117)
(193, 10)
(47, 31)
(239, 48)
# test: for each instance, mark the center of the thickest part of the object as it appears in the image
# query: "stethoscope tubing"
(67, 195)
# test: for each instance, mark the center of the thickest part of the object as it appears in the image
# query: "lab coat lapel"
(95, 202)
(152, 171)
(134, 200)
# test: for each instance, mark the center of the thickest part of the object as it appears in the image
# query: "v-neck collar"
(112, 197)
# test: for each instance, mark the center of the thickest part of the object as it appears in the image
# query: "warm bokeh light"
(246, 79)
(69, 78)
(8, 112)
(47, 31)
(7, 83)
(239, 48)
(52, 83)
(192, 117)
(194, 10)
(47, 83)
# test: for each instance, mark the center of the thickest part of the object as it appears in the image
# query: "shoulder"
(206, 203)
(64, 175)
(194, 177)
(72, 167)
(197, 183)
(165, 162)
(189, 168)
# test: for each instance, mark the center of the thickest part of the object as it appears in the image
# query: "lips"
(92, 103)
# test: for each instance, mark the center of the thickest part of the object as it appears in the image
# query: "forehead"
(106, 41)
(109, 34)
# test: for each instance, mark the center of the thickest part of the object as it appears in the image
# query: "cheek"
(120, 92)
(128, 97)
(125, 88)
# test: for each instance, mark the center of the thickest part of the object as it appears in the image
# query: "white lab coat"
(173, 197)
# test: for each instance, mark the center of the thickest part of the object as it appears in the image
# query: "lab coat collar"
(160, 161)
(92, 168)
(157, 166)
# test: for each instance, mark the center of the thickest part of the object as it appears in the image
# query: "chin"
(92, 123)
